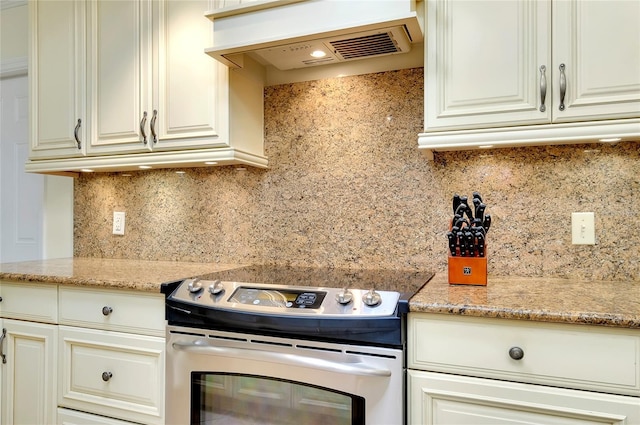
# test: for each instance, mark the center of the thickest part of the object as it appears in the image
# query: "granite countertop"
(609, 303)
(138, 275)
(605, 303)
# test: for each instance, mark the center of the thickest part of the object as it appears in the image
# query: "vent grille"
(369, 45)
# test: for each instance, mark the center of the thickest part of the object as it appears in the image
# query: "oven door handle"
(285, 358)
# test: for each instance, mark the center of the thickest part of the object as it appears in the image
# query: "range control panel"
(286, 300)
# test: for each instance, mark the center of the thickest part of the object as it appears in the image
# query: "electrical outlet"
(583, 231)
(118, 223)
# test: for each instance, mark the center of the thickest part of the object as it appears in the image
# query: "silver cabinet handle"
(198, 347)
(563, 87)
(75, 133)
(142, 124)
(516, 353)
(106, 310)
(152, 126)
(106, 376)
(543, 88)
(2, 337)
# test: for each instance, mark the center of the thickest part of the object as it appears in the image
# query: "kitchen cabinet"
(111, 354)
(530, 72)
(57, 78)
(28, 314)
(150, 96)
(464, 370)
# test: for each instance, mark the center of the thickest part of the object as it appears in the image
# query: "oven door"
(222, 378)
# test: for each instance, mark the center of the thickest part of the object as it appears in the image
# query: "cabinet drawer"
(32, 302)
(112, 374)
(71, 417)
(123, 311)
(576, 356)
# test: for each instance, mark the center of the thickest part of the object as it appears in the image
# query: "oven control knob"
(371, 298)
(216, 287)
(194, 285)
(344, 297)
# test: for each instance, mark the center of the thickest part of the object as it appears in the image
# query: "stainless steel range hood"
(284, 33)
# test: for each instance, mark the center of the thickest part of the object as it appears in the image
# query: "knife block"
(468, 270)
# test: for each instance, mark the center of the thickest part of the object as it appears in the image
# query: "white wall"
(58, 191)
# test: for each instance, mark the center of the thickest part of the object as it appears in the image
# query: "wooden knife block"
(468, 270)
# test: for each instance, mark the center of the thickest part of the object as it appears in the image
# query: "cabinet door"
(483, 61)
(598, 42)
(189, 87)
(440, 399)
(29, 374)
(120, 64)
(57, 79)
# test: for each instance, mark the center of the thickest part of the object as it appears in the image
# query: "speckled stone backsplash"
(348, 187)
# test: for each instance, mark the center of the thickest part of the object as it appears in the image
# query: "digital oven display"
(278, 298)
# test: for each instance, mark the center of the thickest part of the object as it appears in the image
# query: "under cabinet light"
(611, 139)
(144, 167)
(211, 163)
(485, 146)
(86, 170)
(318, 54)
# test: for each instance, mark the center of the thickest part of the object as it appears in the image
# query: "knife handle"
(456, 202)
(480, 211)
(452, 243)
(480, 243)
(487, 222)
(476, 195)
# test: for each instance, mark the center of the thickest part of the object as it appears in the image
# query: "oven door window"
(252, 400)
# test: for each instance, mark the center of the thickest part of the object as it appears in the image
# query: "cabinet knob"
(0, 299)
(106, 376)
(106, 310)
(516, 353)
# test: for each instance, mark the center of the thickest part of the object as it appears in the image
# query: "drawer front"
(32, 302)
(122, 311)
(112, 374)
(71, 417)
(575, 356)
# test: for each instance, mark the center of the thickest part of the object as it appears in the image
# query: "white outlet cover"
(118, 223)
(583, 230)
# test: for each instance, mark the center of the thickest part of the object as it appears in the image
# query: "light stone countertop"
(137, 275)
(532, 298)
(615, 303)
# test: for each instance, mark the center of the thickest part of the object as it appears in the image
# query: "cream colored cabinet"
(136, 74)
(465, 370)
(111, 355)
(29, 353)
(152, 87)
(530, 72)
(57, 79)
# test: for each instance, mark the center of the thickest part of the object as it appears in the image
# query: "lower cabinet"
(111, 356)
(112, 374)
(30, 372)
(439, 398)
(466, 370)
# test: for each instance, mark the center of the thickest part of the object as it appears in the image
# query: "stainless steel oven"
(272, 345)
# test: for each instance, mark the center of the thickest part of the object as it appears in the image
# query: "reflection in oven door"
(230, 378)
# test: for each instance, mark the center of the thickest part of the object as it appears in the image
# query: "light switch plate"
(583, 230)
(118, 223)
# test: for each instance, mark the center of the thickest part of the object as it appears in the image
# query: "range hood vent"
(362, 47)
(284, 33)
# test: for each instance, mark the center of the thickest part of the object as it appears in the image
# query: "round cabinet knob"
(106, 376)
(371, 298)
(194, 285)
(216, 287)
(0, 299)
(516, 353)
(106, 310)
(344, 297)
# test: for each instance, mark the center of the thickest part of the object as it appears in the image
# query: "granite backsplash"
(348, 187)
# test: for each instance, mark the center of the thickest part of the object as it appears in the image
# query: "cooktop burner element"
(364, 306)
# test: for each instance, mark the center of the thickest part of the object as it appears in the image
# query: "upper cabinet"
(148, 95)
(530, 72)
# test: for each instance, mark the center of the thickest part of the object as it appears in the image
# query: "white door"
(598, 45)
(483, 63)
(21, 194)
